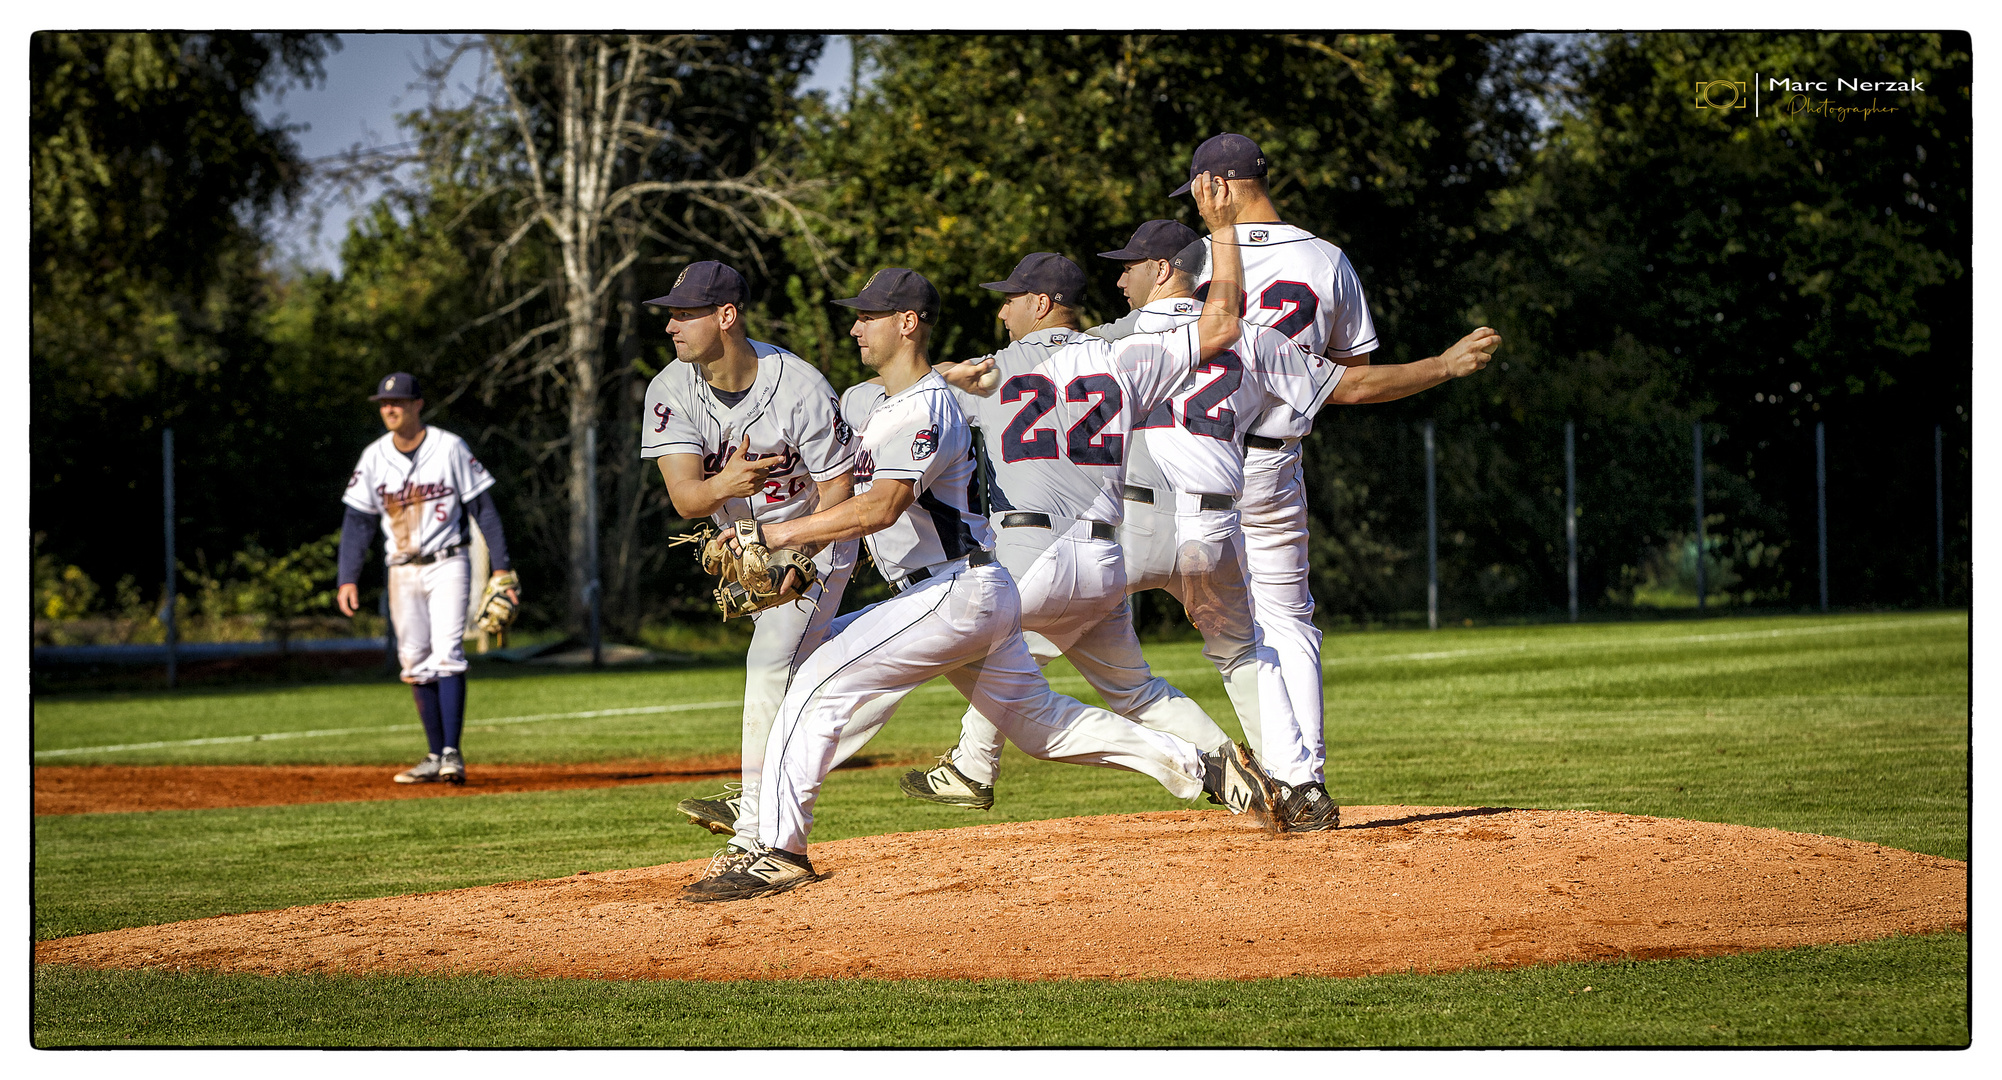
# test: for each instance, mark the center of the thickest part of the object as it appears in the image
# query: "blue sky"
(368, 84)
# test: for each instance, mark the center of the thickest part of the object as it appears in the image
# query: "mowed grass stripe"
(1909, 991)
(641, 710)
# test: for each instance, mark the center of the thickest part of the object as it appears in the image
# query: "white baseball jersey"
(921, 436)
(421, 498)
(1056, 429)
(1195, 438)
(790, 412)
(1305, 288)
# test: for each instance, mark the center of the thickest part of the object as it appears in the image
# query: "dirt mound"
(112, 789)
(1179, 894)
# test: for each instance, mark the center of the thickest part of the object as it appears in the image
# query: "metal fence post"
(1702, 577)
(1821, 503)
(1431, 533)
(167, 603)
(593, 590)
(1571, 515)
(1939, 512)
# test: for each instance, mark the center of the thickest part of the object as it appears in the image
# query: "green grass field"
(1853, 726)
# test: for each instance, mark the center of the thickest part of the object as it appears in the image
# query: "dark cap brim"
(1005, 286)
(1123, 255)
(683, 301)
(1184, 189)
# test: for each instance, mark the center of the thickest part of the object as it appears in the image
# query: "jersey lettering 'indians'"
(421, 500)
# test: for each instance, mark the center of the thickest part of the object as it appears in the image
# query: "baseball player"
(418, 484)
(955, 612)
(744, 430)
(1054, 433)
(1305, 288)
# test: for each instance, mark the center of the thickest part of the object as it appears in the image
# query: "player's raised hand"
(1471, 353)
(1213, 203)
(742, 477)
(971, 376)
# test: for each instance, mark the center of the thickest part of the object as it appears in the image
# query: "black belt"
(426, 560)
(1263, 443)
(1209, 501)
(1025, 519)
(925, 573)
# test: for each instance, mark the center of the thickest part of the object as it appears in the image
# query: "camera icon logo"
(1720, 94)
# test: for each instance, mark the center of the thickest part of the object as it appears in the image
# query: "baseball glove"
(497, 609)
(751, 576)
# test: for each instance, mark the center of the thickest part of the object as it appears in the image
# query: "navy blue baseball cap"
(1044, 272)
(702, 284)
(1227, 156)
(1191, 259)
(895, 288)
(1157, 239)
(402, 384)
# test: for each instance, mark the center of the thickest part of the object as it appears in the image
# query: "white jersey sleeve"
(669, 413)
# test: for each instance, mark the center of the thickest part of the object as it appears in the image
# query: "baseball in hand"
(989, 380)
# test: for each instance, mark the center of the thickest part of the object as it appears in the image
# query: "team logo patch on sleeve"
(661, 410)
(925, 445)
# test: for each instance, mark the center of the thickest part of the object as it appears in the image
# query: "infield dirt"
(1177, 894)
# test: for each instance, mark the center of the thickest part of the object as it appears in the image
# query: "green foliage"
(277, 589)
(1909, 991)
(1658, 263)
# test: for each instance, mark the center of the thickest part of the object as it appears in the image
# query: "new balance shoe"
(452, 767)
(764, 873)
(424, 772)
(726, 859)
(946, 784)
(1231, 777)
(718, 814)
(1309, 808)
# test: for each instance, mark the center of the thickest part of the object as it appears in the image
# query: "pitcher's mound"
(1192, 894)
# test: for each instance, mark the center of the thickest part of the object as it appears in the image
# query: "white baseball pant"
(1274, 513)
(963, 623)
(1072, 588)
(427, 604)
(1198, 556)
(783, 638)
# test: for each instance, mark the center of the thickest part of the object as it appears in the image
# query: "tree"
(579, 162)
(969, 151)
(1662, 264)
(150, 174)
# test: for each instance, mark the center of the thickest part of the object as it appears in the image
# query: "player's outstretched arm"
(1219, 326)
(872, 511)
(970, 376)
(1388, 382)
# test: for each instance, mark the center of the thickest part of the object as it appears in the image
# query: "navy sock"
(427, 711)
(452, 706)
